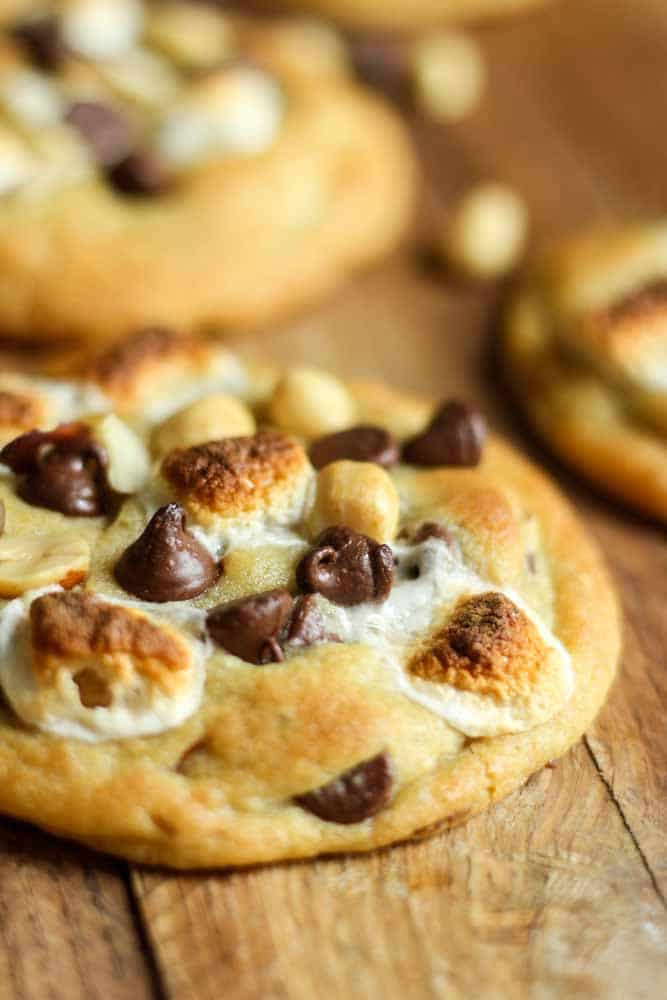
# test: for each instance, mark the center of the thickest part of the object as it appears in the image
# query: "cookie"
(586, 350)
(223, 648)
(403, 15)
(176, 162)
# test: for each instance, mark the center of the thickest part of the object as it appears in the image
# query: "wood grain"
(66, 925)
(558, 892)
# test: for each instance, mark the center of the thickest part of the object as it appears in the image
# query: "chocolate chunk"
(347, 568)
(381, 64)
(61, 470)
(455, 436)
(106, 130)
(306, 626)
(249, 627)
(364, 443)
(354, 795)
(166, 562)
(138, 173)
(42, 42)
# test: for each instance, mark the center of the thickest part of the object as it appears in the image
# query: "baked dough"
(456, 629)
(586, 350)
(402, 15)
(274, 175)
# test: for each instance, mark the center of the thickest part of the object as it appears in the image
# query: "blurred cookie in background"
(586, 351)
(174, 162)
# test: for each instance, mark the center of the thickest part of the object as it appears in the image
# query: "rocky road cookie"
(586, 350)
(405, 14)
(171, 160)
(249, 615)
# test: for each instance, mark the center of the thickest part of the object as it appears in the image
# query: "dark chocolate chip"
(354, 795)
(347, 568)
(431, 529)
(42, 42)
(105, 130)
(455, 436)
(166, 562)
(138, 173)
(61, 470)
(249, 627)
(381, 64)
(364, 443)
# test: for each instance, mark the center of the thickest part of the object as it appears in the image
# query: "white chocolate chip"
(488, 232)
(102, 29)
(31, 99)
(234, 111)
(310, 403)
(449, 75)
(33, 561)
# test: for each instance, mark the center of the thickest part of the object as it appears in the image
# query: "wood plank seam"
(626, 823)
(157, 980)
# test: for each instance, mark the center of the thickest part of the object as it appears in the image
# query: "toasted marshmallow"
(30, 99)
(28, 402)
(90, 669)
(156, 372)
(102, 29)
(516, 674)
(241, 483)
(237, 110)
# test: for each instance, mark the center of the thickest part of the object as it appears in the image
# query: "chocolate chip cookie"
(243, 617)
(586, 350)
(181, 162)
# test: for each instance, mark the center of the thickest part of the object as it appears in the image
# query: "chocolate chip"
(347, 568)
(166, 562)
(249, 627)
(139, 173)
(455, 436)
(61, 470)
(381, 64)
(42, 42)
(105, 130)
(354, 795)
(306, 625)
(364, 443)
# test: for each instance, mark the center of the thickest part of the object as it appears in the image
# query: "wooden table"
(558, 892)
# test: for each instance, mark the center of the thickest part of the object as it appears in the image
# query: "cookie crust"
(573, 374)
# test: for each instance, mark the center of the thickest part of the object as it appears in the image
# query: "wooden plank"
(66, 924)
(543, 896)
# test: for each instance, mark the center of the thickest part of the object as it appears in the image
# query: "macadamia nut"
(488, 232)
(208, 419)
(310, 403)
(449, 75)
(360, 495)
